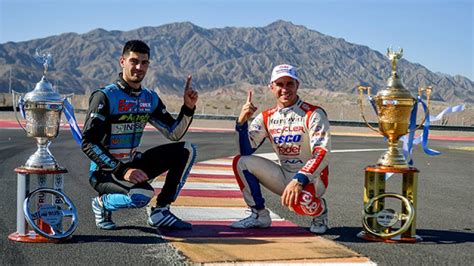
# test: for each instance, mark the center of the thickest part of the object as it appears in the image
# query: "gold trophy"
(393, 105)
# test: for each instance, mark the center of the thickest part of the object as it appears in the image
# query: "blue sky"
(435, 33)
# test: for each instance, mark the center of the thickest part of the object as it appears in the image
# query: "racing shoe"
(103, 217)
(258, 218)
(163, 218)
(319, 225)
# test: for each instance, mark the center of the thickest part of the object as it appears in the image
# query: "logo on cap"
(284, 71)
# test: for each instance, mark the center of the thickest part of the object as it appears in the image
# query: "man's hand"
(291, 193)
(248, 109)
(135, 176)
(190, 95)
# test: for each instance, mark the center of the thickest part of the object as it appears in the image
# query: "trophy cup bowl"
(43, 107)
(394, 105)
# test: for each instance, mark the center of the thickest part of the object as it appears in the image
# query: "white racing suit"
(300, 137)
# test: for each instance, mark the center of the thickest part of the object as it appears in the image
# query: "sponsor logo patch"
(286, 129)
(292, 161)
(287, 139)
(289, 150)
(135, 127)
(125, 105)
(135, 118)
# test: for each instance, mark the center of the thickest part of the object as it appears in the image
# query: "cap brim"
(284, 75)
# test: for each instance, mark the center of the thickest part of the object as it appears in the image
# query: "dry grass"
(339, 106)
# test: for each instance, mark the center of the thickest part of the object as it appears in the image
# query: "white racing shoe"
(258, 219)
(319, 225)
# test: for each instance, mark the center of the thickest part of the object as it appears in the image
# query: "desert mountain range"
(219, 59)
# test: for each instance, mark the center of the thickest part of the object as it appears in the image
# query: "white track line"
(215, 213)
(203, 186)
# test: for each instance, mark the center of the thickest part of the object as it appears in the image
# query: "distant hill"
(218, 58)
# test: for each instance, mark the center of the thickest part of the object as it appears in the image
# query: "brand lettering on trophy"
(289, 150)
(50, 214)
(387, 217)
(41, 198)
(389, 102)
(54, 107)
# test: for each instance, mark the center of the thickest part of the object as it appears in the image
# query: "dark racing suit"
(114, 125)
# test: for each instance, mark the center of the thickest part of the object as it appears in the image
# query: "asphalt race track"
(445, 217)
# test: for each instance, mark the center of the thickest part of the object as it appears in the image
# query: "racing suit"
(114, 125)
(300, 137)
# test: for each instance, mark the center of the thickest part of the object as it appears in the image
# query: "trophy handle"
(360, 100)
(16, 96)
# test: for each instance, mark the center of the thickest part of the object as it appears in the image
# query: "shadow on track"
(349, 235)
(104, 236)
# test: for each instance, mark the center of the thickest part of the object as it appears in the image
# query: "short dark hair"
(136, 46)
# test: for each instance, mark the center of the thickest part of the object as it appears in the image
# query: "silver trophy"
(42, 110)
(52, 217)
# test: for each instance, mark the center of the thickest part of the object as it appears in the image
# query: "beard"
(135, 78)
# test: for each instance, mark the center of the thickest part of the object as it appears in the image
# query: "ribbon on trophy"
(423, 137)
(21, 106)
(75, 130)
(448, 110)
(372, 102)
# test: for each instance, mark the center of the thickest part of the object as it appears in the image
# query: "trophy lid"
(43, 92)
(395, 87)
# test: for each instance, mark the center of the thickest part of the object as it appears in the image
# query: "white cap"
(284, 71)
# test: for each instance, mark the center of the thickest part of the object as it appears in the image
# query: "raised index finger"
(188, 83)
(249, 97)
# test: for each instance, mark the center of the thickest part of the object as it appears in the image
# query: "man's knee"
(240, 161)
(189, 150)
(140, 197)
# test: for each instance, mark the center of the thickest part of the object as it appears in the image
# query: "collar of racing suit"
(123, 85)
(284, 110)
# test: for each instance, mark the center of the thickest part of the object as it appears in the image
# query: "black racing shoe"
(163, 218)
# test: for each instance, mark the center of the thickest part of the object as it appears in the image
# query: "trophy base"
(392, 159)
(42, 158)
(30, 237)
(397, 239)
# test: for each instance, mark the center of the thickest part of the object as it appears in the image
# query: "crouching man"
(115, 122)
(299, 134)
